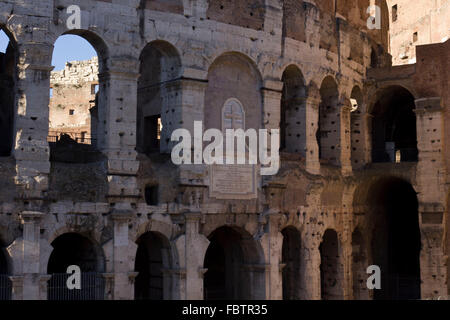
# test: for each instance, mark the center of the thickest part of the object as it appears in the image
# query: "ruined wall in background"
(73, 95)
(416, 23)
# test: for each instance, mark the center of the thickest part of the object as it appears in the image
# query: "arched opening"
(8, 62)
(396, 242)
(153, 258)
(5, 282)
(394, 135)
(359, 266)
(331, 269)
(328, 133)
(72, 249)
(291, 259)
(234, 266)
(158, 97)
(356, 128)
(293, 112)
(77, 98)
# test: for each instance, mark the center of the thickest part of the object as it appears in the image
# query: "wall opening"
(8, 62)
(328, 133)
(293, 112)
(77, 98)
(394, 135)
(291, 259)
(158, 98)
(331, 270)
(72, 249)
(396, 241)
(152, 259)
(235, 269)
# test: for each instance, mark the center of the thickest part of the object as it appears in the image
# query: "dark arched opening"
(394, 135)
(356, 128)
(72, 249)
(8, 62)
(159, 94)
(396, 241)
(152, 260)
(291, 259)
(234, 269)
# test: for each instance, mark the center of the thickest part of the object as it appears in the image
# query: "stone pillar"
(431, 194)
(346, 154)
(31, 149)
(273, 22)
(271, 95)
(117, 127)
(271, 242)
(196, 246)
(17, 287)
(31, 256)
(311, 271)
(123, 288)
(312, 125)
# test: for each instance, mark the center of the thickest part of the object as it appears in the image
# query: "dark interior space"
(394, 136)
(396, 242)
(74, 249)
(149, 264)
(227, 259)
(7, 94)
(5, 282)
(291, 258)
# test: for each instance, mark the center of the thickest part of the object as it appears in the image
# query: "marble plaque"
(233, 182)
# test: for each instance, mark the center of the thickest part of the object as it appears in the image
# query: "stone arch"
(331, 267)
(357, 127)
(246, 14)
(77, 111)
(75, 249)
(159, 94)
(291, 262)
(328, 133)
(394, 133)
(233, 75)
(391, 223)
(293, 111)
(154, 260)
(235, 266)
(8, 80)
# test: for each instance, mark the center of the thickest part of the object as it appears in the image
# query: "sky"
(67, 48)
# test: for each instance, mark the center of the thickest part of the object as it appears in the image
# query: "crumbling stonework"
(361, 182)
(415, 23)
(73, 96)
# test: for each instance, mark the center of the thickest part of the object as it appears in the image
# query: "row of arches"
(160, 100)
(388, 236)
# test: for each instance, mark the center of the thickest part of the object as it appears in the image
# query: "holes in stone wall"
(328, 133)
(293, 112)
